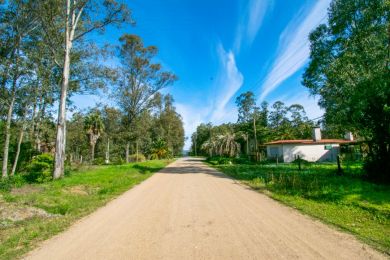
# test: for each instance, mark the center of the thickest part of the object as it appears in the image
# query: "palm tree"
(159, 150)
(228, 145)
(93, 124)
(222, 145)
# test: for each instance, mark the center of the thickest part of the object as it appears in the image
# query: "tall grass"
(347, 201)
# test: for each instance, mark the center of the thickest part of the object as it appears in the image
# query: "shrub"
(242, 160)
(40, 168)
(219, 160)
(99, 161)
(133, 158)
(117, 161)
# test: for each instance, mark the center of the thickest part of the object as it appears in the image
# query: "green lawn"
(348, 202)
(66, 200)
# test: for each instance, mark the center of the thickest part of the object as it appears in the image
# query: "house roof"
(307, 142)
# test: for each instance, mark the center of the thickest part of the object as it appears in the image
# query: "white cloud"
(294, 47)
(229, 81)
(251, 22)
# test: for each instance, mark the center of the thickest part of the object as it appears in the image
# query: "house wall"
(311, 152)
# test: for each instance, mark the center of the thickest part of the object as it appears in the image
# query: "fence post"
(299, 162)
(339, 169)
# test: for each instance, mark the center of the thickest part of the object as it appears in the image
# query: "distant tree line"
(48, 54)
(256, 125)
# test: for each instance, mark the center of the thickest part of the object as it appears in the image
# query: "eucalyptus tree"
(168, 125)
(139, 80)
(247, 115)
(17, 23)
(199, 137)
(350, 71)
(112, 124)
(69, 22)
(300, 125)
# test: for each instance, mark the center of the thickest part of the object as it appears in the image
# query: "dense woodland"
(349, 70)
(47, 55)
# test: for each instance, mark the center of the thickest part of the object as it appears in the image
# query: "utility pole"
(254, 131)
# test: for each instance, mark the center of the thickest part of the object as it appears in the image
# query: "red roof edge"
(322, 141)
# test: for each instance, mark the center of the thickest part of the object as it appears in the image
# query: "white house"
(316, 150)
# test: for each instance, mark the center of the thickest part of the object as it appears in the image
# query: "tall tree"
(246, 106)
(350, 71)
(139, 80)
(79, 17)
(169, 126)
(16, 25)
(247, 116)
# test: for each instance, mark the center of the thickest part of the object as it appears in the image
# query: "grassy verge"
(64, 201)
(348, 202)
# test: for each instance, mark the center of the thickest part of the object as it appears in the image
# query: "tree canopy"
(349, 70)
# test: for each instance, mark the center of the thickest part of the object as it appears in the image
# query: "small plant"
(135, 158)
(219, 160)
(117, 161)
(7, 184)
(40, 168)
(98, 161)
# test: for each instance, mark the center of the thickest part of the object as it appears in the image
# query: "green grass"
(69, 199)
(347, 202)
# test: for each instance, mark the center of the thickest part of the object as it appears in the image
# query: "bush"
(117, 161)
(242, 160)
(133, 158)
(40, 168)
(219, 160)
(99, 161)
(12, 182)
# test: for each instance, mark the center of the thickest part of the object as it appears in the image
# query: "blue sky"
(222, 48)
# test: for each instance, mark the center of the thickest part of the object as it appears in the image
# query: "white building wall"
(311, 152)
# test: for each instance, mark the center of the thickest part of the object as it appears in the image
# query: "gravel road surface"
(190, 211)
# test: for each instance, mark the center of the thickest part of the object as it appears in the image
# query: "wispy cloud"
(251, 22)
(294, 47)
(228, 81)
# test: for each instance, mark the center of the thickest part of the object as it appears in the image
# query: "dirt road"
(190, 211)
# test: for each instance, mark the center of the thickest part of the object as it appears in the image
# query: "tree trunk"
(61, 123)
(108, 151)
(136, 150)
(247, 144)
(37, 130)
(127, 152)
(21, 134)
(4, 172)
(92, 152)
